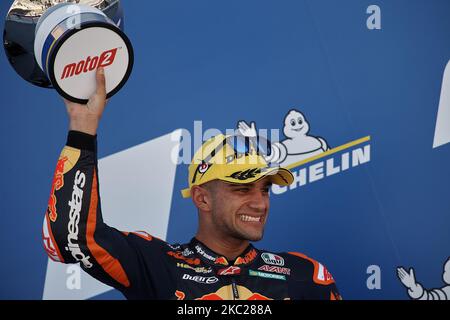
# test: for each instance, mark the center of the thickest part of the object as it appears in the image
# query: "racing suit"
(145, 267)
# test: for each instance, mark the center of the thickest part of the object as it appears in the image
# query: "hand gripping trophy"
(60, 44)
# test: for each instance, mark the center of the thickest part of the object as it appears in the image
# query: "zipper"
(234, 289)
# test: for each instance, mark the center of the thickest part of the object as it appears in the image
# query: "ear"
(202, 198)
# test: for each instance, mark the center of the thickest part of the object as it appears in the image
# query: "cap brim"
(276, 175)
(280, 176)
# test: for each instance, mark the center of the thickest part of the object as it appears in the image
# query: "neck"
(230, 248)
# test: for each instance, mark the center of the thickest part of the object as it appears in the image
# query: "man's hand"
(85, 118)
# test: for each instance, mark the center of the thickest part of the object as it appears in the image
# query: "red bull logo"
(89, 64)
(221, 260)
(58, 183)
(225, 293)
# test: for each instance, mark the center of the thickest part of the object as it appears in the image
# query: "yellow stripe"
(48, 55)
(327, 153)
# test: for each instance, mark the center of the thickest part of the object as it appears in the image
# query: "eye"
(300, 121)
(241, 189)
(292, 122)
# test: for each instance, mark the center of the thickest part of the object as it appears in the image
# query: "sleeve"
(319, 283)
(74, 231)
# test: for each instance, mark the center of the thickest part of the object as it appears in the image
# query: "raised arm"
(74, 230)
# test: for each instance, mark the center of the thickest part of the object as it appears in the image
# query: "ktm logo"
(249, 257)
(89, 64)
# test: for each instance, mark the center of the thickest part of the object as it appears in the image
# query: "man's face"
(240, 210)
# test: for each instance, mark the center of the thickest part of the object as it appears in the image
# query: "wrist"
(85, 125)
(82, 141)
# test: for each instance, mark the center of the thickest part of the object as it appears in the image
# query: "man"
(229, 183)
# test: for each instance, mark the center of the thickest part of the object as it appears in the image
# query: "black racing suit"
(144, 267)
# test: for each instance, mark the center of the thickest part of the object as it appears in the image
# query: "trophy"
(61, 43)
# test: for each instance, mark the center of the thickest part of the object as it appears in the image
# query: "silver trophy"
(60, 43)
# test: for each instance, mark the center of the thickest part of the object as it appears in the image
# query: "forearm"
(73, 191)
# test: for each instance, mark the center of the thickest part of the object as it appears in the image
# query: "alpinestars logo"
(204, 254)
(231, 270)
(89, 64)
(74, 218)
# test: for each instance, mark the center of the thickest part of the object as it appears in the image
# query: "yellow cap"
(216, 160)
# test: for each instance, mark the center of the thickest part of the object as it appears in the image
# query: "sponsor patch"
(323, 275)
(75, 205)
(249, 257)
(231, 270)
(221, 260)
(202, 252)
(195, 269)
(272, 259)
(58, 183)
(225, 293)
(179, 255)
(49, 246)
(202, 169)
(187, 252)
(275, 269)
(266, 275)
(200, 279)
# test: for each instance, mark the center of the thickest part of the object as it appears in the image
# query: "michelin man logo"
(418, 292)
(297, 146)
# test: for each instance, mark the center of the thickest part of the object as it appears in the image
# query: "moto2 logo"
(89, 64)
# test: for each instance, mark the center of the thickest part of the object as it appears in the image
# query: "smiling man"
(229, 183)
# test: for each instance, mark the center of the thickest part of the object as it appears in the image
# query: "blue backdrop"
(223, 61)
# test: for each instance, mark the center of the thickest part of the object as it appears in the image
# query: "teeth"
(249, 218)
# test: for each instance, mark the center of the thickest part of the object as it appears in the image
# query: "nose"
(259, 201)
